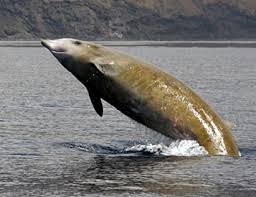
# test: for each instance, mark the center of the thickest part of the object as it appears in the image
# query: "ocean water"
(52, 143)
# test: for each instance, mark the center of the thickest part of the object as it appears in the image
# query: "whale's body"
(144, 93)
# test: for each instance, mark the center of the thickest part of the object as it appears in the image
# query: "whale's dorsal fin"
(229, 124)
(96, 102)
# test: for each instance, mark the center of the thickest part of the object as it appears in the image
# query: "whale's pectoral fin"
(105, 67)
(96, 102)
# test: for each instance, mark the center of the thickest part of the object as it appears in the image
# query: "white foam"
(176, 148)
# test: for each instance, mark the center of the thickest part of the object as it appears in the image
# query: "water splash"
(176, 148)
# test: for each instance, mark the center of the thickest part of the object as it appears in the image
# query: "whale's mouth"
(51, 46)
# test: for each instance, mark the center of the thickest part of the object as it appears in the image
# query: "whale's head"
(75, 55)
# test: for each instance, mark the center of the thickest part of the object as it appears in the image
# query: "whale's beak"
(53, 45)
(44, 42)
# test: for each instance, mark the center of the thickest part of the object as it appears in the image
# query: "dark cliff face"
(128, 19)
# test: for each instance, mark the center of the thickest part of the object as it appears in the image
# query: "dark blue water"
(52, 143)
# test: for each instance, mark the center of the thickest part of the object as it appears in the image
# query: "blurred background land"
(128, 19)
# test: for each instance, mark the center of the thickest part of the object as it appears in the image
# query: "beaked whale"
(145, 93)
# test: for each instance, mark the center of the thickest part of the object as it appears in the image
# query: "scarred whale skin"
(145, 93)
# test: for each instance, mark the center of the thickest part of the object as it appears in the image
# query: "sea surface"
(52, 142)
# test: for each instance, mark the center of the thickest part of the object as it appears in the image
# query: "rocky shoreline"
(128, 19)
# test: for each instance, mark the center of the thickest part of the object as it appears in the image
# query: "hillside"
(128, 19)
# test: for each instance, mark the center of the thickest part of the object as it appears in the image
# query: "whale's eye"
(77, 42)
